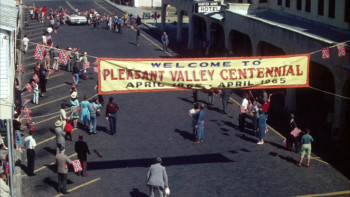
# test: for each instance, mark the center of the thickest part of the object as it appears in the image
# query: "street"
(156, 124)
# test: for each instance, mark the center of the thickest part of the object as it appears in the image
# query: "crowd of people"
(88, 109)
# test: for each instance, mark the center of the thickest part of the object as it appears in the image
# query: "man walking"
(165, 41)
(25, 42)
(55, 55)
(157, 178)
(82, 149)
(225, 95)
(62, 162)
(111, 115)
(30, 146)
(60, 135)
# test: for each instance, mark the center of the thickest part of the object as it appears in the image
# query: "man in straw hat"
(60, 135)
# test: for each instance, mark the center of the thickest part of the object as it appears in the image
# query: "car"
(77, 20)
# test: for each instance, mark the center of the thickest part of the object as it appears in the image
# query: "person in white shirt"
(30, 145)
(4, 188)
(25, 42)
(49, 30)
(243, 112)
(44, 39)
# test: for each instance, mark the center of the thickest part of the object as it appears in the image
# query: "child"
(68, 130)
(36, 92)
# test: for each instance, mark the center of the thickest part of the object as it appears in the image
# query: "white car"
(76, 19)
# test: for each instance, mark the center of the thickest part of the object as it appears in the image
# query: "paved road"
(228, 163)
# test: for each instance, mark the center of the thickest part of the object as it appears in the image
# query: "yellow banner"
(140, 75)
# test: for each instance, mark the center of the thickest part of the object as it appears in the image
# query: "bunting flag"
(295, 132)
(86, 66)
(39, 52)
(96, 69)
(27, 110)
(77, 166)
(325, 53)
(51, 71)
(341, 50)
(21, 69)
(63, 57)
(29, 87)
(36, 78)
(28, 119)
(26, 101)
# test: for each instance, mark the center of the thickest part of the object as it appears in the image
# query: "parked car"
(76, 20)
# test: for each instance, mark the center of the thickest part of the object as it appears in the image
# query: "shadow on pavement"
(167, 161)
(186, 135)
(50, 150)
(136, 193)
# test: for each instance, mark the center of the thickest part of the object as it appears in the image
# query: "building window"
(262, 1)
(331, 9)
(250, 1)
(347, 12)
(298, 4)
(287, 3)
(307, 5)
(279, 2)
(240, 1)
(320, 7)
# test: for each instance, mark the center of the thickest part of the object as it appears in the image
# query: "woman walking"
(261, 126)
(95, 107)
(74, 108)
(85, 112)
(306, 141)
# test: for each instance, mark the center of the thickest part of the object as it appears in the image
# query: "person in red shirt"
(43, 13)
(111, 115)
(265, 107)
(68, 130)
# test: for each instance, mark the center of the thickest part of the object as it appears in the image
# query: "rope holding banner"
(337, 95)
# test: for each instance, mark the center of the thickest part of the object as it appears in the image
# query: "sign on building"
(207, 6)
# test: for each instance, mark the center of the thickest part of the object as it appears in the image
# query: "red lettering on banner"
(153, 76)
(145, 75)
(211, 74)
(181, 76)
(260, 73)
(113, 78)
(203, 72)
(233, 74)
(130, 75)
(242, 74)
(298, 70)
(173, 77)
(194, 76)
(121, 72)
(221, 74)
(137, 74)
(106, 73)
(251, 72)
(186, 74)
(290, 70)
(277, 71)
(269, 72)
(161, 75)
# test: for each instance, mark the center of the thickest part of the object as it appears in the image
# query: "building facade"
(284, 27)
